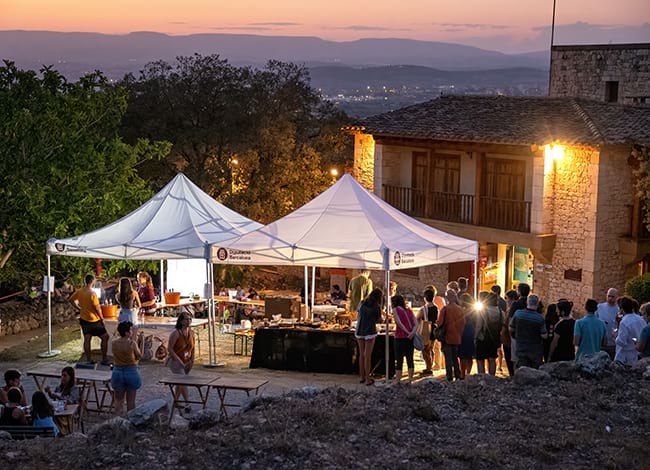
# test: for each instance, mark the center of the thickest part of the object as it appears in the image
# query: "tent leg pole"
(212, 320)
(306, 296)
(388, 309)
(50, 290)
(313, 290)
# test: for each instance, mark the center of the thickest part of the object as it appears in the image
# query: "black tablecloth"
(315, 350)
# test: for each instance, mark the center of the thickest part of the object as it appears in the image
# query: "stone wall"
(615, 201)
(18, 316)
(584, 71)
(591, 211)
(364, 160)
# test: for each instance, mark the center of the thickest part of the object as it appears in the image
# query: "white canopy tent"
(179, 222)
(348, 227)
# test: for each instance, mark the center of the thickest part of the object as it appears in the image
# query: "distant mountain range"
(77, 53)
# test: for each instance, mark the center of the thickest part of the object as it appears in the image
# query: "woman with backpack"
(488, 337)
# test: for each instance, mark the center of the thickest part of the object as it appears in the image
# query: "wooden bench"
(28, 432)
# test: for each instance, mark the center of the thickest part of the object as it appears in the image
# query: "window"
(611, 92)
(505, 179)
(436, 172)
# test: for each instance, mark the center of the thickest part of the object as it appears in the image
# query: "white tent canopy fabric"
(180, 221)
(347, 227)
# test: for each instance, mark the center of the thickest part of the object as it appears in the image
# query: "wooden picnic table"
(224, 384)
(201, 383)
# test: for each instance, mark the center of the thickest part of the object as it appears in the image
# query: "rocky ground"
(561, 420)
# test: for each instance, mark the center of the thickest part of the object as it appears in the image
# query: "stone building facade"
(580, 208)
(618, 73)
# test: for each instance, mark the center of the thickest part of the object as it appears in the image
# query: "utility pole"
(550, 61)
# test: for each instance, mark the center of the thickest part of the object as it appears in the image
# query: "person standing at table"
(129, 302)
(90, 318)
(181, 353)
(406, 327)
(67, 389)
(366, 333)
(125, 378)
(43, 412)
(146, 294)
(360, 287)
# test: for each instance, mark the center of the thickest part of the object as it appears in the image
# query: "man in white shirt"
(607, 312)
(629, 331)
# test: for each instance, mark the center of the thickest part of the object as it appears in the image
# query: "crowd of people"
(459, 330)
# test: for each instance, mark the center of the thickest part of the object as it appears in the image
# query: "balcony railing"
(451, 207)
(507, 214)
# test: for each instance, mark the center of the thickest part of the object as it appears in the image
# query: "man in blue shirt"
(528, 328)
(590, 332)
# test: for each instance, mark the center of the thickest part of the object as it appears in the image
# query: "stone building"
(543, 184)
(615, 73)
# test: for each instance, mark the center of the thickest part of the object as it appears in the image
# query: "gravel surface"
(305, 420)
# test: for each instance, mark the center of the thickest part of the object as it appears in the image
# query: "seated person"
(12, 413)
(43, 412)
(241, 292)
(66, 390)
(253, 295)
(12, 379)
(244, 312)
(337, 294)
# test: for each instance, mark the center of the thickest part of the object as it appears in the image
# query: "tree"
(260, 141)
(63, 168)
(641, 169)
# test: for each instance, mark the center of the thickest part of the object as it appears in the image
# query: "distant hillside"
(78, 53)
(333, 78)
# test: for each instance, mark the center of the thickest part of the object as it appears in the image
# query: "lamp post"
(233, 165)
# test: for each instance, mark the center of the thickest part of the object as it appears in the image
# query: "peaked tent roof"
(346, 226)
(180, 221)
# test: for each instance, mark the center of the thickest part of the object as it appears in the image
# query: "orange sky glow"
(338, 20)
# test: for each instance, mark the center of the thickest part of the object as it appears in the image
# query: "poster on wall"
(520, 265)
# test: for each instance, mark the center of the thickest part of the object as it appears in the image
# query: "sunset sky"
(492, 24)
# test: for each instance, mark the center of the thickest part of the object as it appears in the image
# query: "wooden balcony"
(460, 208)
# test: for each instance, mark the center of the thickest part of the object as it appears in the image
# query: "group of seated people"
(41, 413)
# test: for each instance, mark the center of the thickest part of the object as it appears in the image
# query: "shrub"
(638, 287)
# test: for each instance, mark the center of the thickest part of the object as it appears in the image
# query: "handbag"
(418, 342)
(439, 332)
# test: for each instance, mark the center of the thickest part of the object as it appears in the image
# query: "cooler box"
(287, 307)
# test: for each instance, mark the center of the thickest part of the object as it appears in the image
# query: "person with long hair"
(43, 412)
(181, 353)
(125, 378)
(366, 333)
(406, 327)
(67, 389)
(128, 300)
(146, 294)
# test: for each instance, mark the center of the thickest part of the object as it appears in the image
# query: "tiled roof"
(516, 120)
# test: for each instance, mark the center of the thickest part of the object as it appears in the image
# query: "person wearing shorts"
(181, 353)
(366, 333)
(125, 378)
(90, 318)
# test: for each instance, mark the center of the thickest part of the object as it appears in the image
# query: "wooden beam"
(433, 145)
